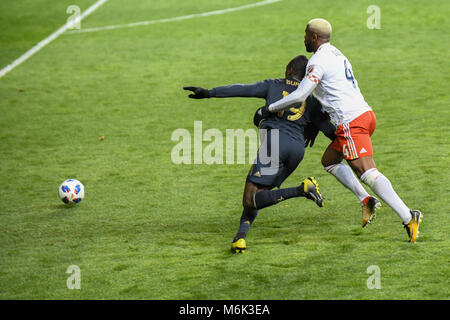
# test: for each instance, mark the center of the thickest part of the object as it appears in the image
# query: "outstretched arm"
(254, 90)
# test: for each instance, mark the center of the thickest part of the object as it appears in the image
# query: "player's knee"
(369, 176)
(332, 168)
(247, 200)
(331, 157)
(362, 165)
(328, 163)
(325, 162)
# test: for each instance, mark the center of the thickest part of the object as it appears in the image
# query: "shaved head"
(321, 27)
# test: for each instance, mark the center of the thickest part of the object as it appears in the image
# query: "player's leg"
(309, 188)
(291, 153)
(380, 185)
(249, 212)
(254, 194)
(266, 197)
(332, 162)
(263, 177)
(257, 196)
(348, 145)
(361, 160)
(257, 180)
(368, 173)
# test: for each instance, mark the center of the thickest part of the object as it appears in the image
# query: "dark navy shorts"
(278, 156)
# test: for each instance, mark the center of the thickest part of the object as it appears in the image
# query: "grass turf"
(150, 229)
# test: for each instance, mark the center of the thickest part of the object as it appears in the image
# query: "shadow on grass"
(61, 210)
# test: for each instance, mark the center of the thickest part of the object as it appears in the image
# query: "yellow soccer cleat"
(310, 188)
(412, 228)
(239, 246)
(369, 211)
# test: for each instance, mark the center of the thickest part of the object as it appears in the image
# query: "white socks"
(383, 188)
(345, 175)
(379, 184)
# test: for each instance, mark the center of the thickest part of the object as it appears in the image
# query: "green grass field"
(151, 229)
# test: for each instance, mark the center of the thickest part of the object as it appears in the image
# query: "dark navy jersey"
(291, 121)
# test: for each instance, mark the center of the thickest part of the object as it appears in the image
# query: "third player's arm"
(321, 119)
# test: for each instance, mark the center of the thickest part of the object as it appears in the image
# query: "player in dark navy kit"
(284, 137)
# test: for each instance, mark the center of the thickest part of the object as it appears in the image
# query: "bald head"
(318, 31)
(321, 27)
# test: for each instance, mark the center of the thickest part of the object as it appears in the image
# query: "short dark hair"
(296, 68)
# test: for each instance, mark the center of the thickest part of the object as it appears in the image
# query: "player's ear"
(287, 72)
(315, 36)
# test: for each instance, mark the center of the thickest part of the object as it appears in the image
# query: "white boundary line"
(190, 16)
(50, 38)
(99, 3)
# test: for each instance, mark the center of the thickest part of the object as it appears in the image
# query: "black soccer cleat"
(310, 188)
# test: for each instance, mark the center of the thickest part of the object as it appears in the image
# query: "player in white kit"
(330, 74)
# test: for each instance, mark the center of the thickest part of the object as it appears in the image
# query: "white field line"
(190, 16)
(50, 38)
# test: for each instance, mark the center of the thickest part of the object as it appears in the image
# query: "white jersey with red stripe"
(337, 89)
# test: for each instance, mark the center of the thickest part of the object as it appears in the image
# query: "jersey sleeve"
(314, 72)
(255, 90)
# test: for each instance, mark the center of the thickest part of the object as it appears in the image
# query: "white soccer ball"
(71, 191)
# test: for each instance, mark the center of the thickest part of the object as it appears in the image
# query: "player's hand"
(261, 114)
(198, 92)
(310, 133)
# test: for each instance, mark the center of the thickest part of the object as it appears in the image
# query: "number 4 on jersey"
(349, 74)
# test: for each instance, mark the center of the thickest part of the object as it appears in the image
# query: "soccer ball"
(71, 191)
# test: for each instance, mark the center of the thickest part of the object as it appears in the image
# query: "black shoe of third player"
(310, 188)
